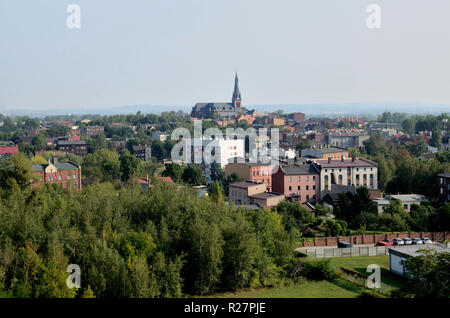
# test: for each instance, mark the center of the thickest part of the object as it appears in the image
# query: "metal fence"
(346, 252)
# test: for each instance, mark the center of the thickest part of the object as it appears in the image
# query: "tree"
(436, 138)
(175, 171)
(217, 192)
(96, 143)
(409, 126)
(128, 165)
(193, 175)
(376, 145)
(303, 144)
(16, 170)
(429, 275)
(39, 142)
(101, 166)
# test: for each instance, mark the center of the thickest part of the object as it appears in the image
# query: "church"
(220, 110)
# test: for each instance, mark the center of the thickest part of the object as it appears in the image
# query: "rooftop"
(59, 166)
(412, 250)
(445, 175)
(360, 162)
(266, 195)
(245, 184)
(303, 169)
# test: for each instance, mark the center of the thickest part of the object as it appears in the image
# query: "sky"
(179, 52)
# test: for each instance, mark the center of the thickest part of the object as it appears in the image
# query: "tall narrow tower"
(236, 100)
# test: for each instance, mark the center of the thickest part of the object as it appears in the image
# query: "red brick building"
(76, 147)
(67, 174)
(90, 131)
(256, 172)
(6, 151)
(297, 182)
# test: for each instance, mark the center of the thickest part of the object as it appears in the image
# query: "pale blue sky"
(178, 52)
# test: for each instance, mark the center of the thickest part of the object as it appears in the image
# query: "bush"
(318, 270)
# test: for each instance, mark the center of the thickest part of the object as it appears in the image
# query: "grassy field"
(360, 264)
(307, 289)
(338, 288)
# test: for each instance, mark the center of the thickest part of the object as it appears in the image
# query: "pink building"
(297, 182)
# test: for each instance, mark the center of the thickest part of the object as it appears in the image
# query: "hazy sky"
(178, 52)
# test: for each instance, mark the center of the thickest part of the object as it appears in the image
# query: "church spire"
(236, 93)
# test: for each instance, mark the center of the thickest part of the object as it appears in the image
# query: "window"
(307, 178)
(290, 188)
(314, 187)
(298, 178)
(298, 188)
(290, 179)
(307, 187)
(314, 178)
(74, 176)
(60, 177)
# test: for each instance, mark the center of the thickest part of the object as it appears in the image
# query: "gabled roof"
(60, 166)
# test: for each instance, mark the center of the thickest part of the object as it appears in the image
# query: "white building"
(212, 155)
(406, 199)
(351, 172)
(399, 253)
(160, 136)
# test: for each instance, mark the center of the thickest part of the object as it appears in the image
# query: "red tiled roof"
(9, 150)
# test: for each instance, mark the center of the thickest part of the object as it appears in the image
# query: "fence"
(346, 252)
(373, 238)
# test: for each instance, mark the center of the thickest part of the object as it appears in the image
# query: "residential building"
(347, 140)
(406, 200)
(444, 187)
(298, 117)
(160, 136)
(256, 172)
(212, 110)
(353, 172)
(250, 193)
(334, 153)
(76, 147)
(297, 182)
(67, 174)
(6, 151)
(91, 131)
(143, 153)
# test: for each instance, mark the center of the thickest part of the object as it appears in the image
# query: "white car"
(407, 241)
(417, 240)
(398, 241)
(426, 240)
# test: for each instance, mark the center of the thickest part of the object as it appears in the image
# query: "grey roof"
(246, 184)
(412, 250)
(299, 169)
(265, 195)
(72, 142)
(445, 175)
(59, 165)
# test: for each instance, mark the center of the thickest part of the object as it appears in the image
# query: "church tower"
(237, 101)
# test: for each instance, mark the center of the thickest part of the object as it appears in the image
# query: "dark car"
(344, 244)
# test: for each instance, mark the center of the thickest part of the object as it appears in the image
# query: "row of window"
(299, 178)
(299, 188)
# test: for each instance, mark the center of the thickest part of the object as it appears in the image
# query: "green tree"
(175, 171)
(39, 142)
(101, 166)
(217, 192)
(16, 171)
(128, 165)
(193, 175)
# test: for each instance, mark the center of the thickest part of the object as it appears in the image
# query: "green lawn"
(307, 289)
(338, 288)
(360, 264)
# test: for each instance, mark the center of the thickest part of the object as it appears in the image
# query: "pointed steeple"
(236, 93)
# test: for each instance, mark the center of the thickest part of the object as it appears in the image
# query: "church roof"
(236, 92)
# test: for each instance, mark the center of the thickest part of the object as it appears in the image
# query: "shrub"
(318, 270)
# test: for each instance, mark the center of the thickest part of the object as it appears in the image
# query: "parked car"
(398, 241)
(417, 240)
(344, 244)
(385, 243)
(426, 240)
(407, 241)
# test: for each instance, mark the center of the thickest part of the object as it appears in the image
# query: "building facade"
(325, 153)
(353, 172)
(66, 174)
(256, 172)
(250, 193)
(444, 187)
(6, 151)
(144, 153)
(91, 131)
(347, 140)
(76, 147)
(297, 182)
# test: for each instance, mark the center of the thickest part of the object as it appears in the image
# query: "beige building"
(248, 193)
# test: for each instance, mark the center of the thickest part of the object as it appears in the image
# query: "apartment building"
(250, 193)
(67, 174)
(256, 172)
